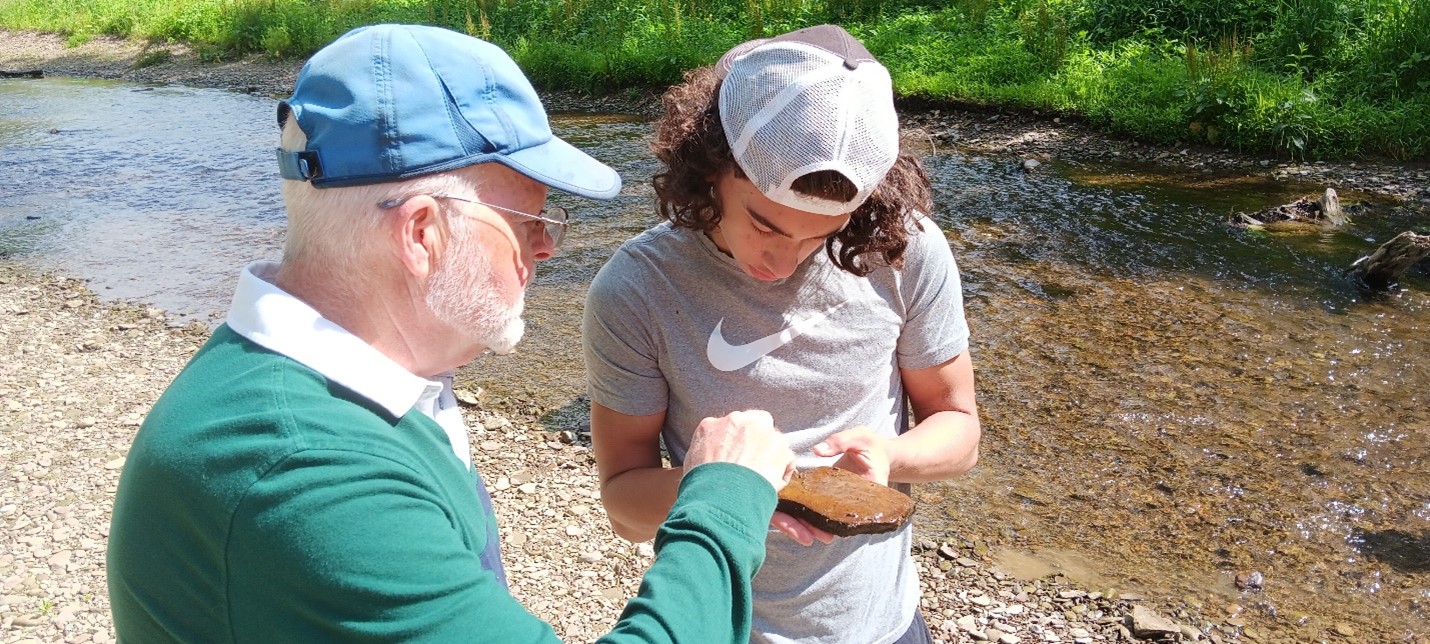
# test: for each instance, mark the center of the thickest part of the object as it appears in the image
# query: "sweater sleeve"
(709, 548)
(368, 552)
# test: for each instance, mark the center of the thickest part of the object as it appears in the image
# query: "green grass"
(1293, 78)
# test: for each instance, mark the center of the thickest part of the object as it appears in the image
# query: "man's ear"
(419, 234)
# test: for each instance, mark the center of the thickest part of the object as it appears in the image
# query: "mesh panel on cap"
(790, 109)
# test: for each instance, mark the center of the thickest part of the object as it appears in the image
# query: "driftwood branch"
(1306, 213)
(33, 73)
(1382, 269)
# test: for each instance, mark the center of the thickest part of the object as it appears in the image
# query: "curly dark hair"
(690, 141)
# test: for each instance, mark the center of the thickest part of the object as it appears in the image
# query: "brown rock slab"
(843, 503)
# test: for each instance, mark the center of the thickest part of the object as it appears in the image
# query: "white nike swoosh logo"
(727, 357)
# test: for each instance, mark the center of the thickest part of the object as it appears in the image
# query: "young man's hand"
(799, 530)
(864, 453)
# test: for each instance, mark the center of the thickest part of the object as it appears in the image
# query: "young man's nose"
(782, 264)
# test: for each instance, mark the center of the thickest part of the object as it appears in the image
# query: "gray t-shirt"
(672, 324)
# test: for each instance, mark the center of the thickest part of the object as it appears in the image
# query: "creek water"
(1167, 401)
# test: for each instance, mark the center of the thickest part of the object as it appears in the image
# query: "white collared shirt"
(275, 320)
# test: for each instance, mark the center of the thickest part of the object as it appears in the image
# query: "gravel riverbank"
(79, 374)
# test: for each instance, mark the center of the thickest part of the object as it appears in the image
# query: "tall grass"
(1295, 78)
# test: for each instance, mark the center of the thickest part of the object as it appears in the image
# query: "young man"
(308, 477)
(797, 274)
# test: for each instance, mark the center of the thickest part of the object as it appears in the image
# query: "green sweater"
(261, 502)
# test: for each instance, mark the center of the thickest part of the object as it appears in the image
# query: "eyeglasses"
(553, 220)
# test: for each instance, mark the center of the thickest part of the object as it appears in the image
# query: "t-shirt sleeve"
(334, 545)
(618, 338)
(935, 329)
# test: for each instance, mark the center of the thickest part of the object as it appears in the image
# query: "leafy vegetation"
(1297, 78)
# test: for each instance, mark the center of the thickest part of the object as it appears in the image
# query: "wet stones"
(1249, 581)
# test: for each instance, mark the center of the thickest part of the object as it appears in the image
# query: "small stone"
(1191, 634)
(1147, 624)
(468, 397)
(966, 562)
(527, 488)
(592, 557)
(645, 549)
(490, 446)
(947, 551)
(1249, 581)
(1345, 630)
(574, 531)
(115, 464)
(1030, 165)
(86, 422)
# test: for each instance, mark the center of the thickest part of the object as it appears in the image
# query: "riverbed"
(1170, 403)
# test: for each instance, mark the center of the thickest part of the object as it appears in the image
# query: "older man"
(308, 476)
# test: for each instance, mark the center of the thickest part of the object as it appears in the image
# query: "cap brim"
(560, 165)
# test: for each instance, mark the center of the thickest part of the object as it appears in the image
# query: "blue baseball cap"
(386, 103)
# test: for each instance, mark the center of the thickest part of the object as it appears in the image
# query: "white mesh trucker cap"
(806, 101)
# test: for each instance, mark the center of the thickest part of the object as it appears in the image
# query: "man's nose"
(542, 247)
(782, 263)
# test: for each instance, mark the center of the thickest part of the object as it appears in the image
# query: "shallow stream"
(1168, 402)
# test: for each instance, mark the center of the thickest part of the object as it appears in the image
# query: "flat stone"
(1148, 624)
(843, 503)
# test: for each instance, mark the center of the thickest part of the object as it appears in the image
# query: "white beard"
(464, 294)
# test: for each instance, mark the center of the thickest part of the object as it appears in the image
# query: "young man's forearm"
(638, 500)
(944, 446)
